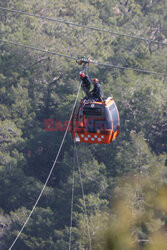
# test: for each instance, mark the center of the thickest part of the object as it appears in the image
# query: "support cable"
(83, 26)
(130, 68)
(37, 49)
(52, 168)
(93, 62)
(83, 195)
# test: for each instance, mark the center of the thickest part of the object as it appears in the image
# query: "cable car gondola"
(96, 122)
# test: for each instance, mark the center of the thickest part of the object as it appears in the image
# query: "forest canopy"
(124, 183)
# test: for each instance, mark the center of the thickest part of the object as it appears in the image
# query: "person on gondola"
(97, 93)
(86, 82)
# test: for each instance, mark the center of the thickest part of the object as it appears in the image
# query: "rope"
(46, 182)
(74, 58)
(83, 195)
(72, 200)
(83, 26)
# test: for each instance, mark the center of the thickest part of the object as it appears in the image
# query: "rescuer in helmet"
(86, 82)
(97, 93)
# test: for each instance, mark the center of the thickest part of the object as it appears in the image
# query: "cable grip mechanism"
(85, 61)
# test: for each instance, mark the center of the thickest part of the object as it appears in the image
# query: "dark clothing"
(86, 82)
(97, 92)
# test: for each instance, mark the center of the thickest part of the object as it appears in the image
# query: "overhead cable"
(37, 49)
(74, 58)
(83, 26)
(50, 173)
(130, 68)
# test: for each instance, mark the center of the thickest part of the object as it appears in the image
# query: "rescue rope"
(83, 195)
(52, 168)
(72, 200)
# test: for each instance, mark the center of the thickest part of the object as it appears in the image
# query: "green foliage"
(136, 220)
(36, 86)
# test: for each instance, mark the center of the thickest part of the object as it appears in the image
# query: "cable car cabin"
(96, 122)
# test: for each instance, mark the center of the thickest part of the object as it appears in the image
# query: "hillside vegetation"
(125, 183)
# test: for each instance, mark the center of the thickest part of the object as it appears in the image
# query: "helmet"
(95, 80)
(82, 75)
